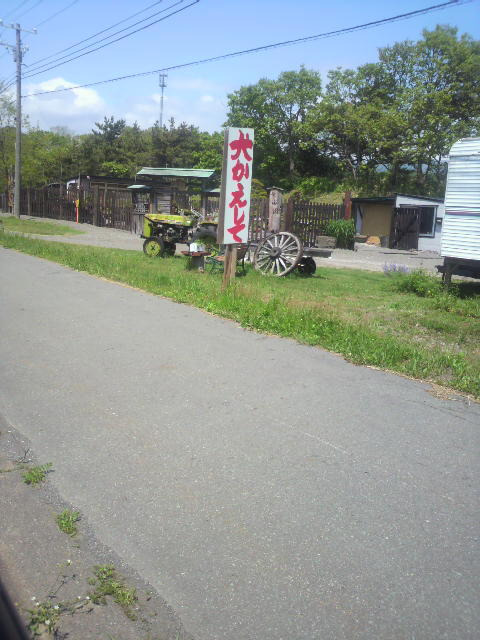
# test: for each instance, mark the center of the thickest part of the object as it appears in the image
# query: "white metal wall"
(461, 225)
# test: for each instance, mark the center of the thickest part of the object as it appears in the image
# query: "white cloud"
(193, 100)
(204, 111)
(77, 109)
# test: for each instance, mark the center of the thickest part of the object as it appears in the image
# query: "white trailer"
(460, 245)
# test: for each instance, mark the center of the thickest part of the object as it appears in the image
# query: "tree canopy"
(384, 126)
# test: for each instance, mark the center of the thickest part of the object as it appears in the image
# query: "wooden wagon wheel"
(278, 254)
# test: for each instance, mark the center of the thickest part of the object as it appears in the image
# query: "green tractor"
(162, 231)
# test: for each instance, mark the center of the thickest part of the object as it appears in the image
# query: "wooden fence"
(114, 208)
(100, 207)
(307, 220)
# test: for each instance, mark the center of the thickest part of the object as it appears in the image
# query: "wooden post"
(29, 201)
(275, 202)
(203, 203)
(95, 206)
(230, 265)
(288, 221)
(347, 203)
(80, 205)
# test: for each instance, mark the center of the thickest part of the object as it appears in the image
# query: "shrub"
(419, 282)
(343, 231)
(313, 186)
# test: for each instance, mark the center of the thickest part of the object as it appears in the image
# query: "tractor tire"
(154, 247)
(307, 266)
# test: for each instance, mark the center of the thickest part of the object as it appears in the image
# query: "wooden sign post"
(234, 208)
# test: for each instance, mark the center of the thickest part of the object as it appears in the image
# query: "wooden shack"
(167, 190)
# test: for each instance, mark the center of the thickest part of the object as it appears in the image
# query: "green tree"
(277, 110)
(7, 141)
(210, 152)
(391, 123)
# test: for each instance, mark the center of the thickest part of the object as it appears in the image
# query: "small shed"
(165, 190)
(402, 220)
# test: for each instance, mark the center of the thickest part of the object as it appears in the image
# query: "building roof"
(393, 197)
(378, 199)
(175, 172)
(115, 179)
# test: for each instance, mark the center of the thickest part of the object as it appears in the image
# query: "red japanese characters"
(236, 186)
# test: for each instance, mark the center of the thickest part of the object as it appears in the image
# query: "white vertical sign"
(236, 186)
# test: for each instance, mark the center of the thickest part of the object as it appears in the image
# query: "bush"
(343, 231)
(313, 186)
(421, 283)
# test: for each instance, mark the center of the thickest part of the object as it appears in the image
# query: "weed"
(66, 521)
(36, 475)
(108, 583)
(43, 618)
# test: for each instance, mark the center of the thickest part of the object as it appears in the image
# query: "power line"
(57, 13)
(19, 6)
(36, 72)
(54, 15)
(36, 62)
(285, 43)
(30, 8)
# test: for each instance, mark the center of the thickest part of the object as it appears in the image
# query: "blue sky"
(198, 95)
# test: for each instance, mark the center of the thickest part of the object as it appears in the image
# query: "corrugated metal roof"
(378, 199)
(175, 172)
(465, 147)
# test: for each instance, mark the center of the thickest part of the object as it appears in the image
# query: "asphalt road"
(268, 490)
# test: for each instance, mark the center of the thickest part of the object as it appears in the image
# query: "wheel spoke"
(265, 266)
(285, 240)
(290, 245)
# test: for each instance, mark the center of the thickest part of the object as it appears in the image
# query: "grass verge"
(39, 227)
(358, 314)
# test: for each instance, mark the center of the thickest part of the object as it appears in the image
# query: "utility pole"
(162, 82)
(18, 56)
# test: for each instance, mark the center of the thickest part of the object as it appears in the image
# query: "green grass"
(107, 582)
(22, 225)
(361, 315)
(36, 475)
(67, 521)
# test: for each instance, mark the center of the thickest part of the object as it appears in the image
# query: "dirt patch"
(50, 575)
